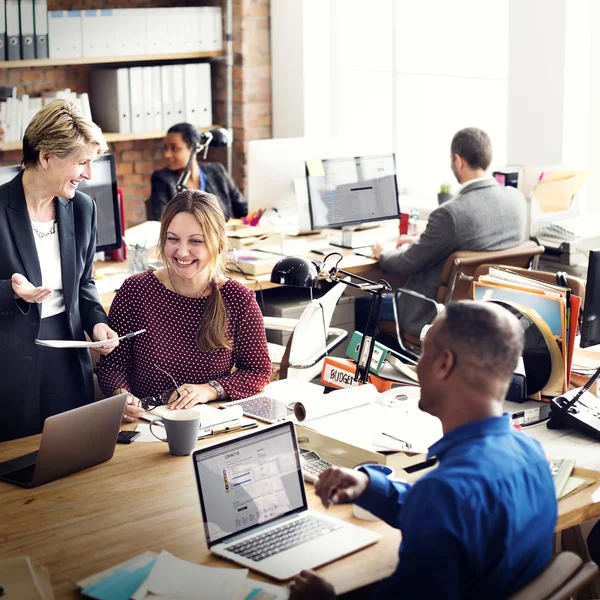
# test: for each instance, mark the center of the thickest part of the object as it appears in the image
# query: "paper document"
(80, 344)
(209, 416)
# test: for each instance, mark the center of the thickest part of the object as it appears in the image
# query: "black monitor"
(103, 190)
(590, 326)
(345, 192)
(102, 187)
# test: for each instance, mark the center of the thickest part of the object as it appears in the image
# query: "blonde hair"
(59, 128)
(212, 331)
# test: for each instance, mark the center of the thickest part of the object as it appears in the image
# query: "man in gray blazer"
(481, 216)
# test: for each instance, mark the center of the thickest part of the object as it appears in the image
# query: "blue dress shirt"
(478, 526)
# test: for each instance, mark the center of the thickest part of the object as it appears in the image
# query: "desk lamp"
(300, 272)
(216, 137)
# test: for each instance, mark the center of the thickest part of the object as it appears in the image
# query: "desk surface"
(145, 499)
(142, 499)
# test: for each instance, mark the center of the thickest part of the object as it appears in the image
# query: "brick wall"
(137, 159)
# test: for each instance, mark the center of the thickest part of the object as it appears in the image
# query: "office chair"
(563, 577)
(312, 338)
(456, 284)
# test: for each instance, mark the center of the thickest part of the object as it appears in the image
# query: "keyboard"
(283, 538)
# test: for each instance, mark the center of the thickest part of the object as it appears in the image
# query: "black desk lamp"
(216, 137)
(301, 272)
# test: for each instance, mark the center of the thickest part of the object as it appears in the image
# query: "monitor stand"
(347, 241)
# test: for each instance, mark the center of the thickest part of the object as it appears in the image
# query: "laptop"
(71, 441)
(254, 507)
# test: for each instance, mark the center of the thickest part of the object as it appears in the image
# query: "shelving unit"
(112, 137)
(61, 62)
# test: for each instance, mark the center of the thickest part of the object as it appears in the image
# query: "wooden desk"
(146, 499)
(352, 262)
(142, 499)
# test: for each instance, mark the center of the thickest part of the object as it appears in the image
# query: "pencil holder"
(137, 259)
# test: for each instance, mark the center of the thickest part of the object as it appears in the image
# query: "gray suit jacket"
(482, 216)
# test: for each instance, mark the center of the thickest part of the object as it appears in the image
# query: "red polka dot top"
(171, 322)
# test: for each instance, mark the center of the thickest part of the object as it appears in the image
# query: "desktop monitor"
(103, 190)
(345, 192)
(590, 326)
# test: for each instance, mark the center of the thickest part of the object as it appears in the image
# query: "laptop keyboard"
(17, 464)
(283, 538)
(24, 475)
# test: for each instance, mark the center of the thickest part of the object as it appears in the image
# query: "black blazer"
(218, 183)
(19, 320)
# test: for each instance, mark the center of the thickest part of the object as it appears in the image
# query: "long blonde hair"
(212, 331)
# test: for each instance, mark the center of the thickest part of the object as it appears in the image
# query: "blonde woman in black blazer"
(47, 291)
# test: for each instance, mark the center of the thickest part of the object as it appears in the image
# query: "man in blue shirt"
(480, 525)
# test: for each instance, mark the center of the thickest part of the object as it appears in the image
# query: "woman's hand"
(133, 410)
(103, 332)
(25, 290)
(189, 394)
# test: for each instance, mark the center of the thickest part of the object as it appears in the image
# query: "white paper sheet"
(80, 344)
(176, 578)
(209, 416)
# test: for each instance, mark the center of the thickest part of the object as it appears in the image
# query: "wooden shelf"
(55, 62)
(112, 137)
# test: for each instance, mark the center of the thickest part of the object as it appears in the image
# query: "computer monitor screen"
(102, 187)
(103, 190)
(350, 191)
(590, 326)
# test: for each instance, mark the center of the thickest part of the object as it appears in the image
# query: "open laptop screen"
(249, 481)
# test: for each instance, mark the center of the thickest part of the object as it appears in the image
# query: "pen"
(132, 334)
(227, 429)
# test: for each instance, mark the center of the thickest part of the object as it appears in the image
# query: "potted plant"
(445, 193)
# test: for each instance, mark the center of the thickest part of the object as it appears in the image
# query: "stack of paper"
(20, 580)
(164, 576)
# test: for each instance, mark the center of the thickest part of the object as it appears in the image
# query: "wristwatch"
(218, 387)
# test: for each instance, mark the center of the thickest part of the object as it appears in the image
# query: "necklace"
(50, 231)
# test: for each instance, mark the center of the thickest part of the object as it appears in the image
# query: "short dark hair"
(486, 335)
(188, 132)
(474, 146)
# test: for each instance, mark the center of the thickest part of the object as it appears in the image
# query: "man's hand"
(103, 332)
(405, 239)
(307, 585)
(25, 290)
(337, 485)
(377, 250)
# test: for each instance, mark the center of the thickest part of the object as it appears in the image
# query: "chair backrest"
(309, 339)
(562, 578)
(456, 282)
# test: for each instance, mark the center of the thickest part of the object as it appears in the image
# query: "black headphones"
(561, 279)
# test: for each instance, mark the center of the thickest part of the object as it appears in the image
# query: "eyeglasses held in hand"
(149, 403)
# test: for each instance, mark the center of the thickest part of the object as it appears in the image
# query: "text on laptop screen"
(350, 191)
(249, 482)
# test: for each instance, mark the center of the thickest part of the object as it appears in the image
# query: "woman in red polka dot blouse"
(199, 324)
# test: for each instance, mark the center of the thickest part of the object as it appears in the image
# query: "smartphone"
(126, 437)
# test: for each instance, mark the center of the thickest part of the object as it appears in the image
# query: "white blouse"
(48, 249)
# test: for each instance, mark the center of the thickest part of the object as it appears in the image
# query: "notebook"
(255, 511)
(71, 441)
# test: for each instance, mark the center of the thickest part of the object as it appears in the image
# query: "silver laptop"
(71, 441)
(255, 511)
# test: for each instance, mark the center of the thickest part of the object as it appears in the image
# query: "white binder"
(157, 106)
(158, 31)
(109, 99)
(204, 95)
(40, 17)
(216, 42)
(27, 30)
(166, 87)
(90, 32)
(13, 30)
(178, 93)
(136, 97)
(64, 34)
(129, 31)
(2, 30)
(147, 98)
